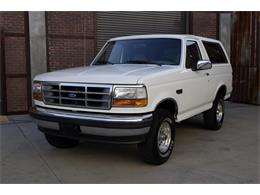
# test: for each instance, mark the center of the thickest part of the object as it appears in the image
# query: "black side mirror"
(202, 65)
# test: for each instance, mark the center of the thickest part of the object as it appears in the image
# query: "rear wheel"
(213, 118)
(61, 142)
(160, 141)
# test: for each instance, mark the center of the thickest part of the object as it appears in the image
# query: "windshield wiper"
(142, 62)
(104, 63)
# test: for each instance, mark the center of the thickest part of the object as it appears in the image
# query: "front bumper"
(124, 128)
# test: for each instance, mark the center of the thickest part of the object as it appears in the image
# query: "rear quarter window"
(215, 52)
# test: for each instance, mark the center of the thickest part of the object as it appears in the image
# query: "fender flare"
(219, 87)
(174, 102)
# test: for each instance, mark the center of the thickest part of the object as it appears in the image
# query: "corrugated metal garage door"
(113, 24)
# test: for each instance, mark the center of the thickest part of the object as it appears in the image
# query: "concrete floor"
(230, 155)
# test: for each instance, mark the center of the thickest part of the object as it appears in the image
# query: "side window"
(192, 54)
(215, 52)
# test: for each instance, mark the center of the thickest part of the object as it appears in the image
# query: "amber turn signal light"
(130, 102)
(37, 96)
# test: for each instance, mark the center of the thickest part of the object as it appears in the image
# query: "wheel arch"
(169, 104)
(221, 90)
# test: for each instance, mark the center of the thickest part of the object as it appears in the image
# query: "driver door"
(196, 84)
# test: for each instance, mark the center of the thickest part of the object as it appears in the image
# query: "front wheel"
(160, 141)
(214, 117)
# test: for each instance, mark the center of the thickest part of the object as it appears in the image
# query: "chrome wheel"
(164, 136)
(220, 112)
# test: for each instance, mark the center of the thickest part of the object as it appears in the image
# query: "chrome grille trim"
(92, 96)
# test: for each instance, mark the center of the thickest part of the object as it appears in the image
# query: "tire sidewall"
(217, 101)
(163, 115)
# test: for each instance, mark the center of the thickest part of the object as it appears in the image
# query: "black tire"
(210, 116)
(149, 150)
(61, 142)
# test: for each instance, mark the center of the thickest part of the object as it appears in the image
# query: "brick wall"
(12, 22)
(204, 24)
(14, 94)
(15, 55)
(17, 99)
(71, 39)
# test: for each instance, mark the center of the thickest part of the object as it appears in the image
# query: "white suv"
(134, 91)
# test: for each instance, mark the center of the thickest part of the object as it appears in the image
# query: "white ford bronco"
(134, 91)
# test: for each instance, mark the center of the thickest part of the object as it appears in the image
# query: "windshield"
(141, 51)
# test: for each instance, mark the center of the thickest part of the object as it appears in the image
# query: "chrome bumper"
(105, 125)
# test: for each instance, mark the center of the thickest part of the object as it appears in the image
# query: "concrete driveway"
(230, 155)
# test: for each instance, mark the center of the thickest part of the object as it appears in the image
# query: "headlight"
(130, 96)
(37, 90)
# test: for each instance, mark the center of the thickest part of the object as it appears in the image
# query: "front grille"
(93, 96)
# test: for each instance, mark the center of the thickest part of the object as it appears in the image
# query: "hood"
(109, 74)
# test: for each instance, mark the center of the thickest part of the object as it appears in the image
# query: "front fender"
(160, 93)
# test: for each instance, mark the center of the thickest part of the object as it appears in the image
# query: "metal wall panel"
(225, 30)
(113, 24)
(245, 57)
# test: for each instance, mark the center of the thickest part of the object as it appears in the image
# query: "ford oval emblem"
(72, 95)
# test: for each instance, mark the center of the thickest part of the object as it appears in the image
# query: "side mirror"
(202, 65)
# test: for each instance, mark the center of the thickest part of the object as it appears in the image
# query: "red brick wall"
(204, 24)
(71, 23)
(71, 39)
(15, 89)
(17, 99)
(12, 22)
(15, 55)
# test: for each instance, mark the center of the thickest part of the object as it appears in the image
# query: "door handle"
(179, 91)
(207, 74)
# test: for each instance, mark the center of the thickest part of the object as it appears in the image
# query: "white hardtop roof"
(151, 36)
